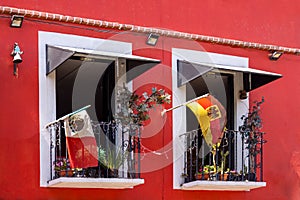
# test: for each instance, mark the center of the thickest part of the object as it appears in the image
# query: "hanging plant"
(251, 130)
(134, 109)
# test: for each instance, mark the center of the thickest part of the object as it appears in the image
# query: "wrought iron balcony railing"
(239, 157)
(118, 152)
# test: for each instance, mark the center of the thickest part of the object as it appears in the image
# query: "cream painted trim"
(108, 183)
(223, 185)
(179, 97)
(47, 99)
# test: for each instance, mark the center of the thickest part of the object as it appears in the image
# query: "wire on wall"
(140, 29)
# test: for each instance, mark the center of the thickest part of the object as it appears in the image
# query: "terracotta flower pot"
(223, 177)
(65, 173)
(201, 176)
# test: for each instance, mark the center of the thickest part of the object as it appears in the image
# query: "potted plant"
(221, 170)
(62, 168)
(206, 172)
(111, 160)
(250, 130)
(132, 112)
(134, 109)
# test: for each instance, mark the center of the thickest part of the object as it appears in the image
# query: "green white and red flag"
(80, 140)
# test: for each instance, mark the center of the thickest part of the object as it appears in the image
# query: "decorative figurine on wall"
(16, 53)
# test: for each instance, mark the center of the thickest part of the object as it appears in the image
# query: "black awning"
(135, 65)
(252, 78)
(55, 57)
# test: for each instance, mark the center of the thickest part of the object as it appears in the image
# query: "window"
(224, 77)
(75, 72)
(221, 87)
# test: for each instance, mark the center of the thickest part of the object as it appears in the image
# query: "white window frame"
(179, 96)
(47, 99)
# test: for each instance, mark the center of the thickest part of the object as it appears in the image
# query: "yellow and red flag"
(211, 116)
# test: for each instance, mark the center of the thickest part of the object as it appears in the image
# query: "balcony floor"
(223, 185)
(109, 183)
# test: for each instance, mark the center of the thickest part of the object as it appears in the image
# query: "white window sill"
(223, 185)
(109, 183)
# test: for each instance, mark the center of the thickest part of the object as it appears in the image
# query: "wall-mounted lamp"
(16, 21)
(152, 39)
(16, 53)
(275, 55)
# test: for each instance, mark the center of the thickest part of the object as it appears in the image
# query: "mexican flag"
(211, 116)
(80, 140)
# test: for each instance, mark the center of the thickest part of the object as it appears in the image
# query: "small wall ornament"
(16, 53)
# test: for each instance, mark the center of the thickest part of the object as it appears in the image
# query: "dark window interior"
(76, 81)
(94, 81)
(221, 87)
(218, 85)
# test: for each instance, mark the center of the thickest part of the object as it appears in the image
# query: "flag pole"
(183, 104)
(68, 115)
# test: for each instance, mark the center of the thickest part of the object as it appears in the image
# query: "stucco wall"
(258, 21)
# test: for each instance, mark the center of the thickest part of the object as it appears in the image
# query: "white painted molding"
(47, 97)
(223, 185)
(109, 183)
(179, 97)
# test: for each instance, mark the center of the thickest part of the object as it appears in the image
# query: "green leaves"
(134, 108)
(251, 131)
(112, 158)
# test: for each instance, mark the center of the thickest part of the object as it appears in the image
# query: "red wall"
(258, 21)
